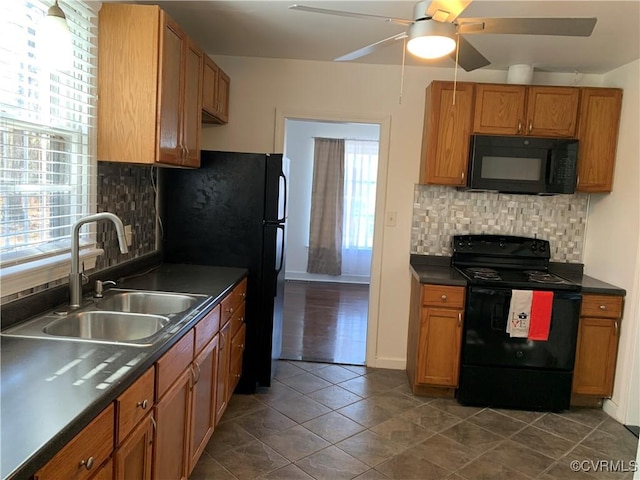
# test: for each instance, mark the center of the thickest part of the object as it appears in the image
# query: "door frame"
(384, 121)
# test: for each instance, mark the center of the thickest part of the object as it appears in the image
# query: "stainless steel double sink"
(127, 317)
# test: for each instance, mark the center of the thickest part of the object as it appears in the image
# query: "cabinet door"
(224, 85)
(237, 350)
(552, 111)
(210, 88)
(439, 346)
(203, 405)
(445, 140)
(499, 109)
(105, 472)
(598, 134)
(192, 117)
(133, 457)
(172, 38)
(170, 460)
(222, 379)
(596, 354)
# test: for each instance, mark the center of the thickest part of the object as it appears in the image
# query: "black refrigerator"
(232, 212)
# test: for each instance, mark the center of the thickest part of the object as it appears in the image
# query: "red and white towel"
(530, 314)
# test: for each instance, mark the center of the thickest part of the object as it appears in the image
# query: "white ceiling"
(269, 29)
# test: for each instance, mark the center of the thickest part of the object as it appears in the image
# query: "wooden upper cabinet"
(598, 127)
(445, 140)
(521, 110)
(499, 109)
(149, 88)
(215, 93)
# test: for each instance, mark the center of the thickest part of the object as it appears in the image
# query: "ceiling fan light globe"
(431, 47)
(431, 39)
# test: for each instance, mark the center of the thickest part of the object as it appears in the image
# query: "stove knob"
(542, 247)
(533, 245)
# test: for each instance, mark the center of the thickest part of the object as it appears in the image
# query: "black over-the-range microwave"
(528, 165)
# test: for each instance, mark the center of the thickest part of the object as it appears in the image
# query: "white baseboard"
(315, 277)
(391, 363)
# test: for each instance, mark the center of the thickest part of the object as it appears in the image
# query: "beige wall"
(261, 89)
(612, 243)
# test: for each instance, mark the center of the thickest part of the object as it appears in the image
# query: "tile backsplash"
(441, 212)
(126, 190)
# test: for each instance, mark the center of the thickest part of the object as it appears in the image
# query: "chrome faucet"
(75, 277)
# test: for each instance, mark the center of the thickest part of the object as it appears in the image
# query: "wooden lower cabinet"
(170, 458)
(134, 456)
(224, 362)
(435, 338)
(83, 456)
(105, 472)
(203, 401)
(597, 346)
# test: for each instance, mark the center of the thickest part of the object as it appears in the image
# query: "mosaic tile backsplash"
(127, 191)
(441, 212)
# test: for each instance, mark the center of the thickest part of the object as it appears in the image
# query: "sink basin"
(111, 326)
(147, 302)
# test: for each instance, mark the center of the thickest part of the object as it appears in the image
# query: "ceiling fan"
(436, 27)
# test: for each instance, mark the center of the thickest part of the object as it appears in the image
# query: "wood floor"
(325, 322)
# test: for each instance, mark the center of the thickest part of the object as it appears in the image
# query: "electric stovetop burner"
(538, 276)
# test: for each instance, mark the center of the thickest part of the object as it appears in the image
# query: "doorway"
(326, 316)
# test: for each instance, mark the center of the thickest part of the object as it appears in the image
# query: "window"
(47, 136)
(360, 171)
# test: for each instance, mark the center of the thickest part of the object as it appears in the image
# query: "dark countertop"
(437, 270)
(51, 389)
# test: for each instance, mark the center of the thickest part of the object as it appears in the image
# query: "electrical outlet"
(392, 218)
(127, 234)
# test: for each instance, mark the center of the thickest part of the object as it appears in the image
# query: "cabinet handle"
(237, 375)
(143, 404)
(519, 126)
(229, 310)
(241, 345)
(603, 307)
(459, 319)
(616, 326)
(199, 372)
(530, 126)
(88, 463)
(243, 295)
(222, 341)
(444, 297)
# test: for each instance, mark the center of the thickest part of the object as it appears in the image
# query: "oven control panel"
(501, 245)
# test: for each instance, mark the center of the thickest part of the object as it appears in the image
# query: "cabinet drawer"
(237, 344)
(173, 363)
(233, 301)
(605, 306)
(82, 456)
(207, 328)
(237, 320)
(443, 295)
(134, 404)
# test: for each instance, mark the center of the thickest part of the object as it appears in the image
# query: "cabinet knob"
(143, 404)
(616, 326)
(519, 126)
(241, 345)
(243, 295)
(603, 307)
(530, 126)
(459, 319)
(229, 310)
(444, 297)
(88, 463)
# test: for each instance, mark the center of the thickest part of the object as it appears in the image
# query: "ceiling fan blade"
(451, 8)
(571, 27)
(370, 48)
(341, 13)
(468, 57)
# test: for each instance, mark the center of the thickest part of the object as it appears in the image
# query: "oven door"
(487, 343)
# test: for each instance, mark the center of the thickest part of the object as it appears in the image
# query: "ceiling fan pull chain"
(404, 52)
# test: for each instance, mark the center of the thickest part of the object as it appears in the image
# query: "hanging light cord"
(404, 53)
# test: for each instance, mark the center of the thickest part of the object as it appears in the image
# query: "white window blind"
(47, 132)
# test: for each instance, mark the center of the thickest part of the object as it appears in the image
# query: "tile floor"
(340, 422)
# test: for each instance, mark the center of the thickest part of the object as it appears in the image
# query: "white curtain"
(360, 172)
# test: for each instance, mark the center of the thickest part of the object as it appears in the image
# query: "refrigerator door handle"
(282, 244)
(284, 209)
